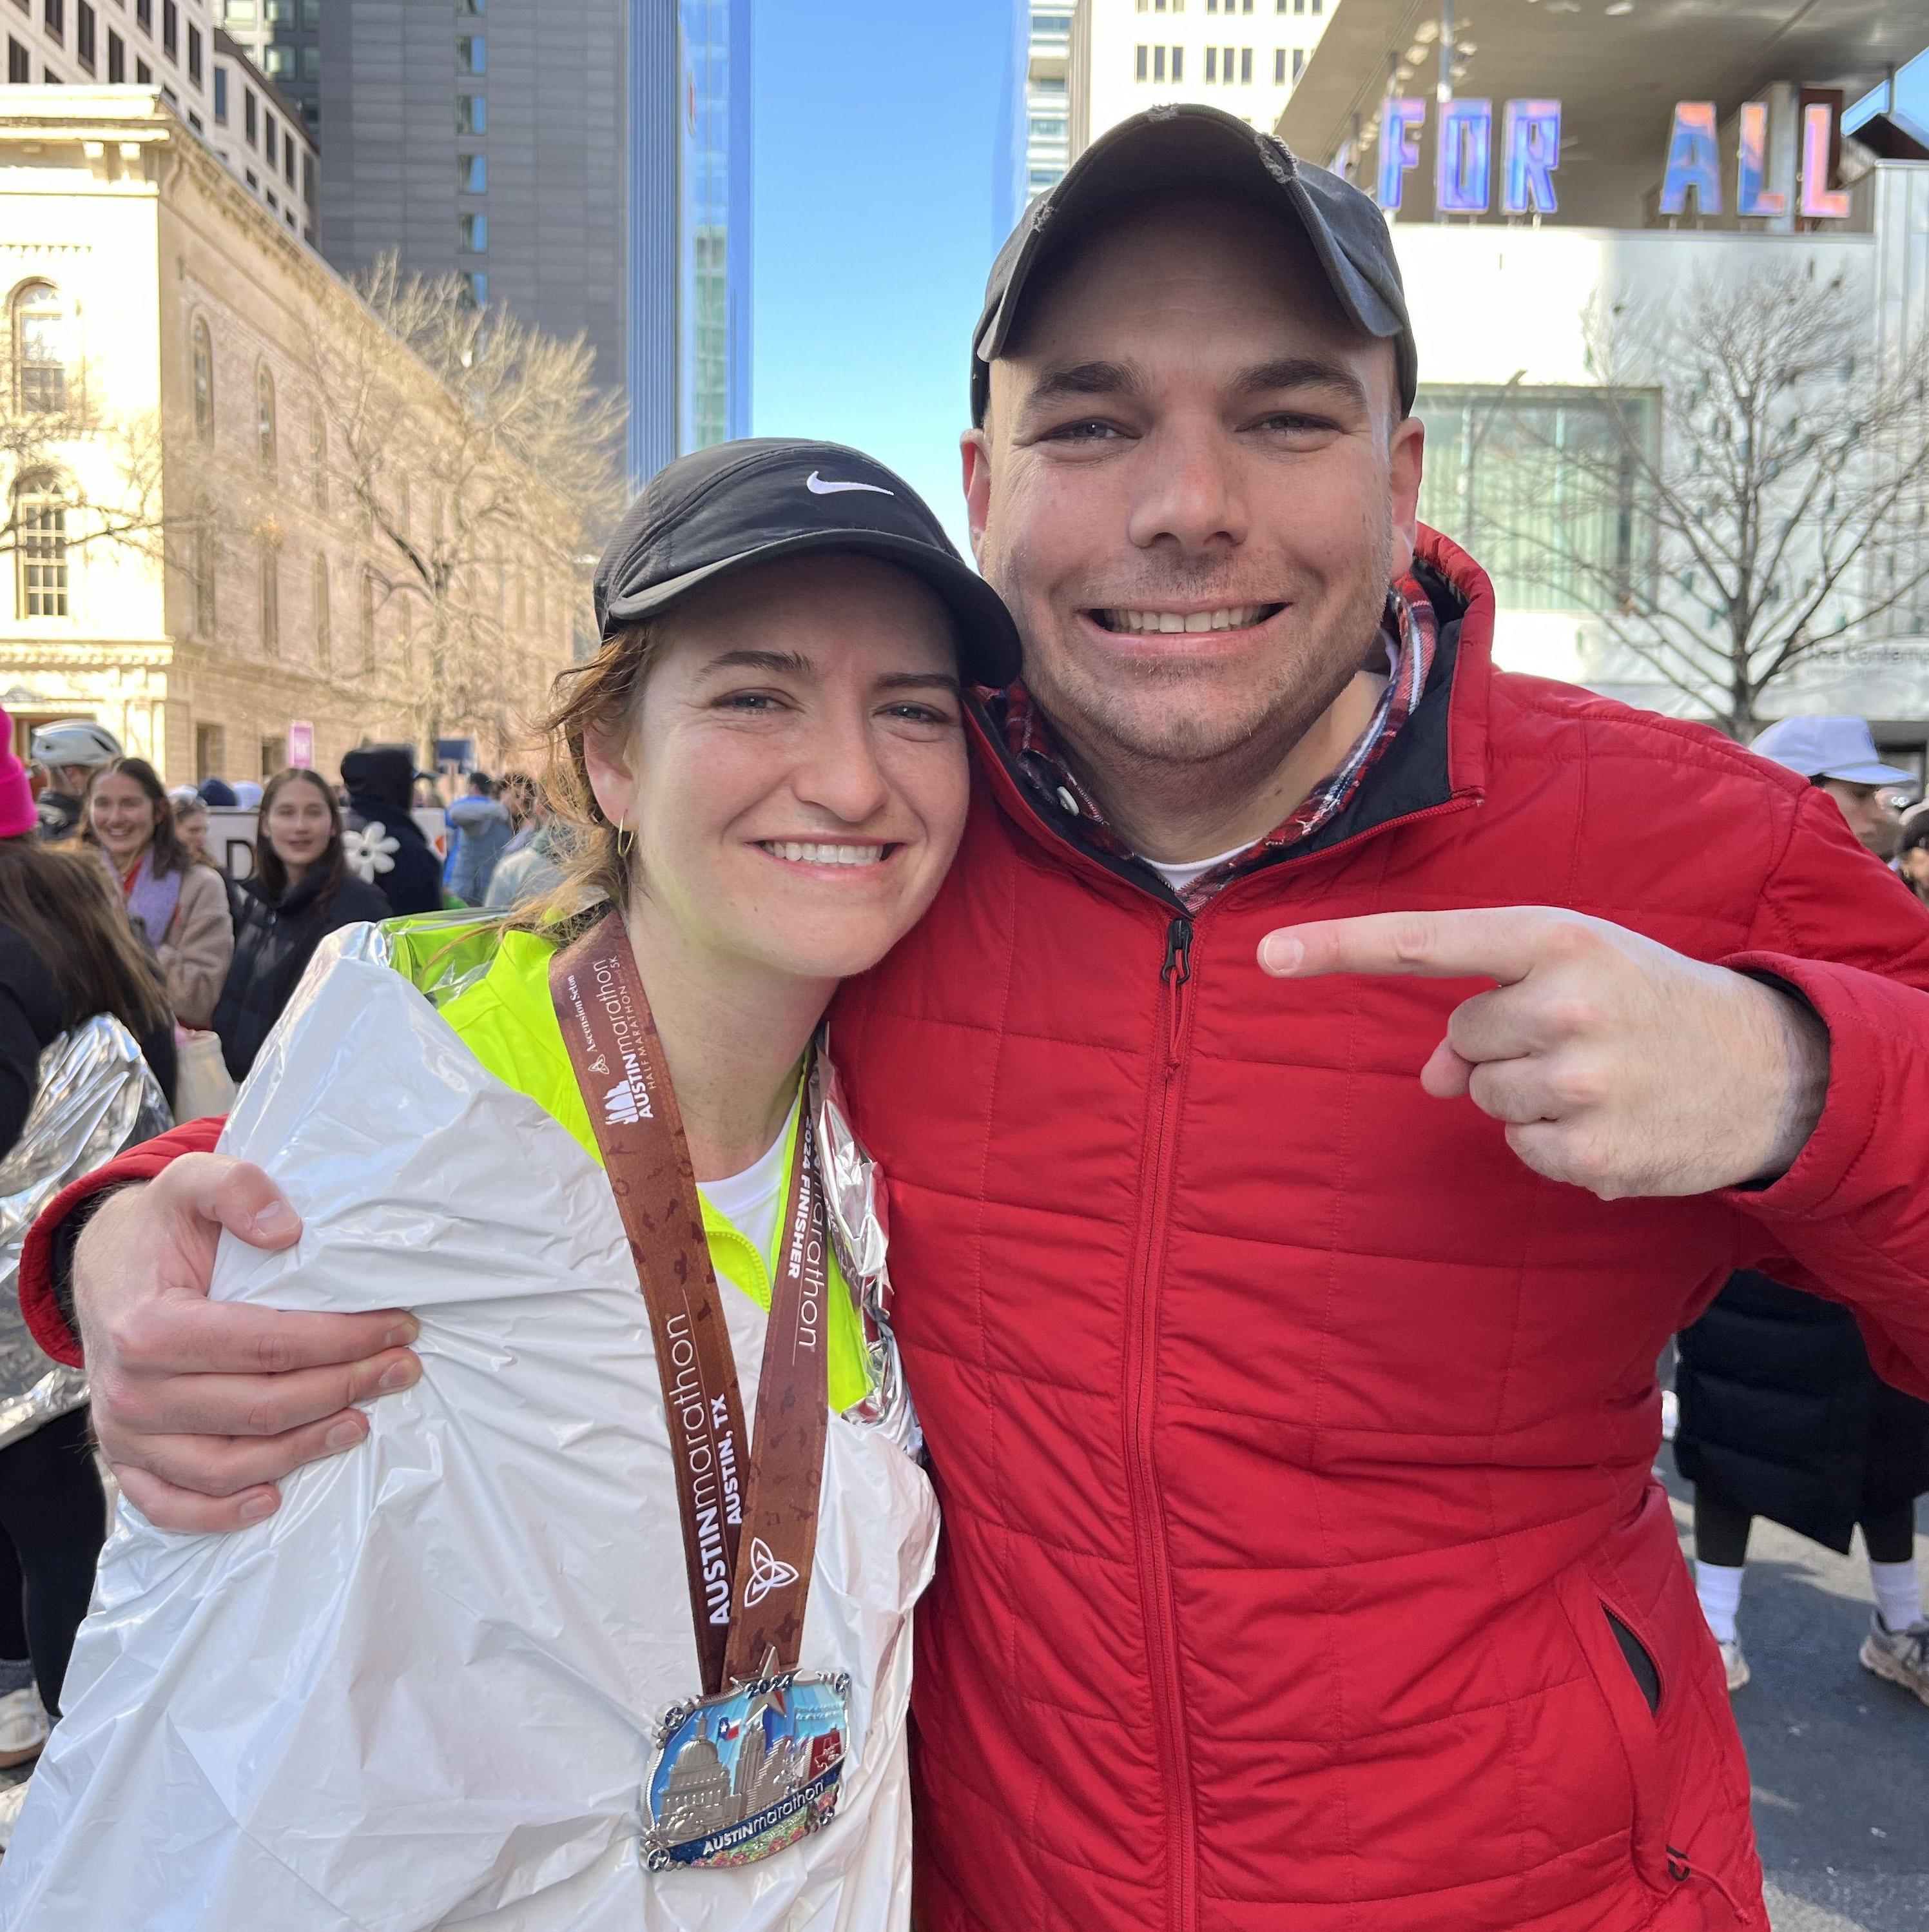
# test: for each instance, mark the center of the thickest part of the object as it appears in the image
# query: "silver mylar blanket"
(96, 1097)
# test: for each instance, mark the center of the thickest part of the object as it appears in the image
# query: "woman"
(181, 906)
(191, 822)
(300, 891)
(67, 958)
(563, 1641)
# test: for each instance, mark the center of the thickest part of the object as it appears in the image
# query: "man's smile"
(1229, 617)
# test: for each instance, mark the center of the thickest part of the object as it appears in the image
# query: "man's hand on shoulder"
(200, 1407)
(1617, 1064)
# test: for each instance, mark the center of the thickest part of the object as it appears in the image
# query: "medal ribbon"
(750, 1528)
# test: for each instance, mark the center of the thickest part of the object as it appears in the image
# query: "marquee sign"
(1530, 153)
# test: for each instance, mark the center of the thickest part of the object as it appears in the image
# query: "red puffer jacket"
(1303, 1567)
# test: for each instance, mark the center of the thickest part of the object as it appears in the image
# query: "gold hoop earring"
(625, 838)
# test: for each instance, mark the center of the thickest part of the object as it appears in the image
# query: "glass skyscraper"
(690, 175)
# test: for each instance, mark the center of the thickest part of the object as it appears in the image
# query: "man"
(479, 821)
(1839, 755)
(69, 753)
(1303, 1566)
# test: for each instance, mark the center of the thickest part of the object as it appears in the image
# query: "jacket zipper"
(1142, 1474)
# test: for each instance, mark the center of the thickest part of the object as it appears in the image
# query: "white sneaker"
(23, 1727)
(1735, 1663)
(1901, 1656)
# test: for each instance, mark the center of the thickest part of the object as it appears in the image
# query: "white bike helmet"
(73, 741)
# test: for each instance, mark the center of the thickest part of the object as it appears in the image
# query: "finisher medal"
(756, 1761)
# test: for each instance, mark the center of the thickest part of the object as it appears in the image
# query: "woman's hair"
(169, 853)
(267, 866)
(600, 695)
(65, 906)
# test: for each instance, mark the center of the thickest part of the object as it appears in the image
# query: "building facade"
(165, 44)
(262, 138)
(1116, 57)
(282, 38)
(1048, 84)
(1559, 261)
(190, 568)
(587, 162)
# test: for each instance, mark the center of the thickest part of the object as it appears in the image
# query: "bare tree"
(1750, 493)
(61, 455)
(469, 440)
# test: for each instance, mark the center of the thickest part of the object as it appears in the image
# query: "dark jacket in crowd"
(272, 945)
(381, 782)
(32, 1017)
(1782, 1416)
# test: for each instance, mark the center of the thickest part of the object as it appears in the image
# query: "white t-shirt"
(1179, 877)
(753, 1200)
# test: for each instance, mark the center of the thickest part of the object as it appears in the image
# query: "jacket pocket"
(1622, 1661)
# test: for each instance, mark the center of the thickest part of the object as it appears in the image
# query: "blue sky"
(877, 194)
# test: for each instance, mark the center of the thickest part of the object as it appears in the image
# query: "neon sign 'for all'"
(1530, 150)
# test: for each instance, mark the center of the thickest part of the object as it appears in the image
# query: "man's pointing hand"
(1618, 1065)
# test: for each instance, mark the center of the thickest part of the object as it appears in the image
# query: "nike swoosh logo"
(818, 487)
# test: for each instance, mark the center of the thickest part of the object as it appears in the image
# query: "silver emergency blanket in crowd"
(96, 1097)
(424, 1693)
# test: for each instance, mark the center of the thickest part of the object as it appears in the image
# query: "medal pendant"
(741, 1775)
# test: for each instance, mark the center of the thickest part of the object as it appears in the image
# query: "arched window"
(40, 547)
(264, 425)
(204, 382)
(40, 348)
(269, 570)
(318, 459)
(365, 621)
(203, 571)
(323, 640)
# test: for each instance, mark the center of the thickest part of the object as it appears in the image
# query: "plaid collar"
(1409, 630)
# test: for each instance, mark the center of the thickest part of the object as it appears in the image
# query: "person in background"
(1911, 856)
(182, 907)
(300, 891)
(1839, 756)
(481, 825)
(215, 792)
(69, 753)
(191, 822)
(67, 953)
(384, 845)
(532, 863)
(1781, 1414)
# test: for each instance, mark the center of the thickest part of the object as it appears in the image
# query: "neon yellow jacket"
(505, 1016)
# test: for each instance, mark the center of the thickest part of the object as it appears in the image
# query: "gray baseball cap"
(1189, 146)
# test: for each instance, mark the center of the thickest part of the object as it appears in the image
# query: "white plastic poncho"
(424, 1694)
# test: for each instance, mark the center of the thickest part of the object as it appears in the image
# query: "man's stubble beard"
(1220, 753)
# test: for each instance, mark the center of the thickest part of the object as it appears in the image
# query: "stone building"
(189, 563)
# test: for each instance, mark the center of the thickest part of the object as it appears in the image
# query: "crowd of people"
(1316, 1071)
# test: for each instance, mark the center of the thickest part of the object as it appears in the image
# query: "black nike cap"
(1194, 148)
(736, 505)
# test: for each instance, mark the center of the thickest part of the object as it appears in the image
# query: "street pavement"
(1839, 1759)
